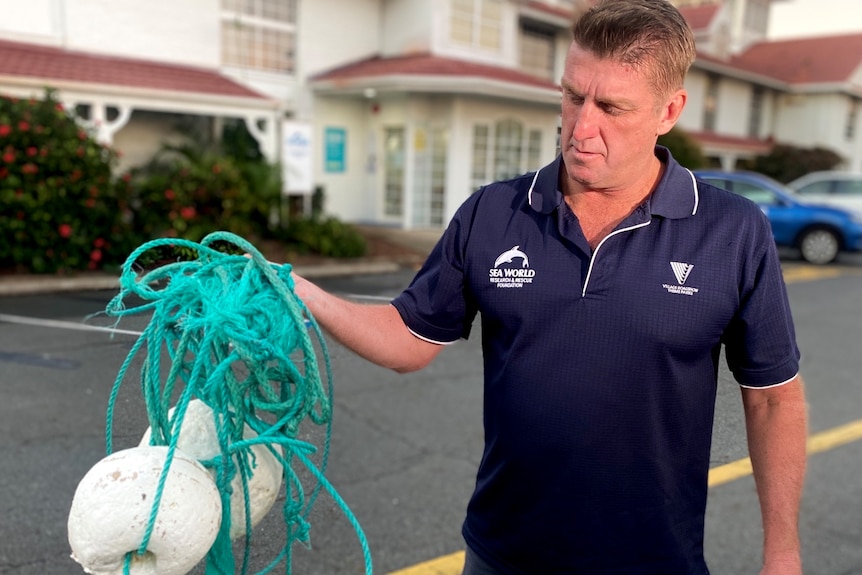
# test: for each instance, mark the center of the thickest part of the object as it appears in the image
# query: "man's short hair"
(647, 34)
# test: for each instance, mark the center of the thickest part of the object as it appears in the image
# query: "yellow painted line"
(809, 273)
(447, 565)
(836, 437)
(824, 441)
(729, 471)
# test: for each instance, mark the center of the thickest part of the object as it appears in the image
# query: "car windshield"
(782, 187)
(761, 191)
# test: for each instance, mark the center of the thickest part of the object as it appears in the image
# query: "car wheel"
(819, 246)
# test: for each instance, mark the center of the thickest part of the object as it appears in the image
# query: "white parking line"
(57, 324)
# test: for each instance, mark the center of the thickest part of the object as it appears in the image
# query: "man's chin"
(580, 175)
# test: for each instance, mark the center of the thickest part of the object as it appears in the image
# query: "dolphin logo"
(509, 255)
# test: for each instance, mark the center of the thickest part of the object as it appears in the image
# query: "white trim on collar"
(532, 185)
(695, 190)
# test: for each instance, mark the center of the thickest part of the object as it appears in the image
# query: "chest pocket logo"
(681, 271)
(507, 273)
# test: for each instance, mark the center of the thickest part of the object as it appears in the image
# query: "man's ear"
(671, 111)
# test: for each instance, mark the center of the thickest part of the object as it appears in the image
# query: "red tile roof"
(804, 60)
(568, 13)
(49, 63)
(722, 140)
(429, 65)
(701, 16)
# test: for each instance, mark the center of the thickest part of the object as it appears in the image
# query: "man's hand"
(790, 565)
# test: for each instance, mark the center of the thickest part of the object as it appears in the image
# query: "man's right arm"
(375, 332)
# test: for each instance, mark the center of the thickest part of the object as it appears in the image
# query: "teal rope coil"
(239, 339)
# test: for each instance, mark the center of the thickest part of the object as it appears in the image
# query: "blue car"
(818, 232)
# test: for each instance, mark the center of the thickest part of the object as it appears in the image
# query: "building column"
(98, 120)
(266, 136)
(728, 161)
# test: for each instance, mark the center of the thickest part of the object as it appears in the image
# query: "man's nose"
(585, 125)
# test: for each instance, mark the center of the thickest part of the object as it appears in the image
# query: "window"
(822, 187)
(477, 23)
(479, 172)
(756, 112)
(710, 103)
(259, 34)
(534, 150)
(852, 187)
(852, 119)
(508, 141)
(431, 150)
(439, 168)
(429, 197)
(504, 151)
(537, 50)
(754, 193)
(393, 179)
(757, 15)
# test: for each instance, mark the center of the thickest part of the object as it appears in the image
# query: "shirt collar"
(544, 194)
(675, 197)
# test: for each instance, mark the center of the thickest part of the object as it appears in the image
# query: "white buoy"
(198, 439)
(111, 510)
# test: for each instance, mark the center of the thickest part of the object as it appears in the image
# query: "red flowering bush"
(62, 209)
(188, 193)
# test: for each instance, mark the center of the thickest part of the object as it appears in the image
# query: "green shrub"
(786, 163)
(684, 148)
(62, 208)
(327, 237)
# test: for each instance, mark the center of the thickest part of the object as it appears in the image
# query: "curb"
(34, 285)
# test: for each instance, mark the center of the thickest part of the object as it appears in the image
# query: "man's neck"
(600, 211)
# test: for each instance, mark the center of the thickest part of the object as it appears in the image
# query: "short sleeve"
(437, 305)
(760, 342)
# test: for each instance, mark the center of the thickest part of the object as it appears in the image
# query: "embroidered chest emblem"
(681, 270)
(511, 269)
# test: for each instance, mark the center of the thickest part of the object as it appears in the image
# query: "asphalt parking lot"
(405, 448)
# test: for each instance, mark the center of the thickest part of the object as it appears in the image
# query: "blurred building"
(399, 109)
(746, 93)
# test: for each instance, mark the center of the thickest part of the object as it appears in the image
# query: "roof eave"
(711, 144)
(470, 85)
(827, 88)
(553, 18)
(738, 73)
(149, 98)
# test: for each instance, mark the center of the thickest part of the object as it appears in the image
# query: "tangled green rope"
(238, 339)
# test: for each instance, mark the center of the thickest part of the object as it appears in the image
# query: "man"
(606, 283)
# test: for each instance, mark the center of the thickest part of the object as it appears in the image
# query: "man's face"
(610, 121)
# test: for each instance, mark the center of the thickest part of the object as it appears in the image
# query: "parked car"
(818, 232)
(832, 188)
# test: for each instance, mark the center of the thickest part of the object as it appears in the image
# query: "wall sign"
(296, 161)
(335, 146)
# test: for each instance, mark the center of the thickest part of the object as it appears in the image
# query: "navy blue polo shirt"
(601, 365)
